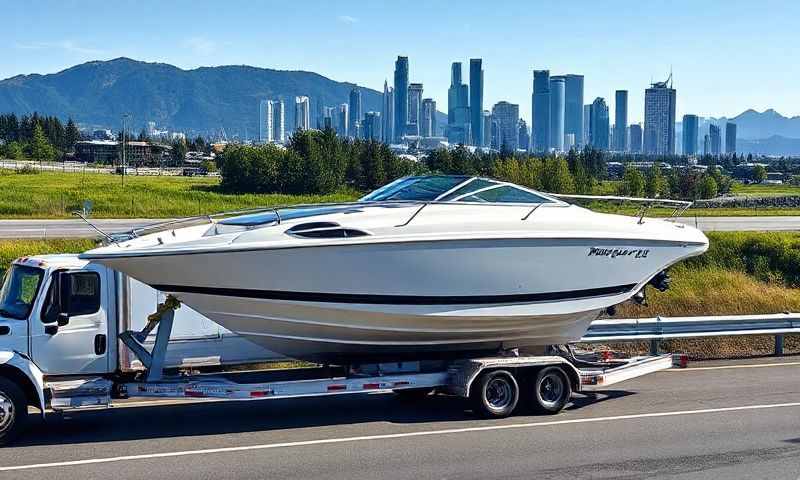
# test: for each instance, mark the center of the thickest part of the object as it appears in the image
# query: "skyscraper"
(372, 126)
(476, 100)
(714, 139)
(659, 118)
(507, 117)
(343, 120)
(635, 135)
(620, 120)
(706, 145)
(487, 128)
(400, 98)
(587, 111)
(388, 113)
(690, 123)
(266, 118)
(598, 124)
(414, 109)
(302, 111)
(540, 110)
(355, 110)
(730, 137)
(557, 90)
(428, 118)
(524, 137)
(573, 107)
(458, 119)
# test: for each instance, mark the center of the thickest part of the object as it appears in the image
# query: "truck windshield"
(19, 290)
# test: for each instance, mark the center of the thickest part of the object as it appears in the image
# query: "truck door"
(70, 335)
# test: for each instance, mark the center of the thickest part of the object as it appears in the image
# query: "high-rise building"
(635, 138)
(540, 110)
(487, 128)
(278, 128)
(388, 113)
(428, 118)
(706, 144)
(573, 108)
(715, 139)
(355, 110)
(302, 113)
(523, 143)
(266, 118)
(730, 137)
(557, 91)
(476, 100)
(458, 119)
(495, 134)
(598, 124)
(620, 120)
(587, 111)
(343, 120)
(414, 109)
(659, 118)
(328, 118)
(507, 117)
(373, 125)
(690, 123)
(400, 98)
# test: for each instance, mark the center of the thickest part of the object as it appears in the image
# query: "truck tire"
(495, 394)
(551, 390)
(13, 411)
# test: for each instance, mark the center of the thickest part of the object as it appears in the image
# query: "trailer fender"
(21, 369)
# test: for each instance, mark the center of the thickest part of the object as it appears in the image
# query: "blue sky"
(726, 56)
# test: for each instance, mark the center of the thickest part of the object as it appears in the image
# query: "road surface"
(733, 419)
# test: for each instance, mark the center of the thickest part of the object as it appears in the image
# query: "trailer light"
(260, 393)
(371, 386)
(336, 387)
(401, 383)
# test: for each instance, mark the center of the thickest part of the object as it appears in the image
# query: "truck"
(76, 335)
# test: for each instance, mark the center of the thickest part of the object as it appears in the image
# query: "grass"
(13, 249)
(56, 195)
(764, 190)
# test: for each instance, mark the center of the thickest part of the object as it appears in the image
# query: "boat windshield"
(427, 188)
(272, 216)
(19, 290)
(455, 188)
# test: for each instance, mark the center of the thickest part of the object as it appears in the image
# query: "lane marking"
(326, 441)
(725, 367)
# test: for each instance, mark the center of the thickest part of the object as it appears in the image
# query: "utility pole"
(125, 116)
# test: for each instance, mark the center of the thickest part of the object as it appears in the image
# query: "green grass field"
(760, 190)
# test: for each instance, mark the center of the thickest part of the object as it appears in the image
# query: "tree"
(71, 135)
(708, 187)
(759, 173)
(40, 148)
(656, 185)
(179, 151)
(633, 184)
(13, 151)
(556, 177)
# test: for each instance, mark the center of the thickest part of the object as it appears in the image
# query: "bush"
(28, 169)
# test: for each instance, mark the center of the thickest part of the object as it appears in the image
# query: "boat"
(433, 265)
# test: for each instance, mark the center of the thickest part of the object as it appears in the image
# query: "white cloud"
(347, 19)
(200, 45)
(66, 45)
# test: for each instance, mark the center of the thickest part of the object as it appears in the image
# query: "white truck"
(76, 335)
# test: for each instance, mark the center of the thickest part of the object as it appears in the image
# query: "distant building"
(354, 111)
(557, 92)
(659, 118)
(343, 120)
(715, 139)
(414, 109)
(487, 128)
(573, 108)
(690, 125)
(598, 124)
(373, 125)
(587, 109)
(507, 117)
(620, 120)
(265, 119)
(635, 138)
(400, 98)
(540, 110)
(137, 154)
(730, 138)
(388, 113)
(706, 144)
(428, 118)
(459, 126)
(328, 118)
(278, 121)
(476, 100)
(524, 140)
(302, 113)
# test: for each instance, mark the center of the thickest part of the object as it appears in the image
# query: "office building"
(715, 139)
(428, 126)
(400, 98)
(487, 128)
(524, 140)
(343, 120)
(706, 145)
(458, 118)
(388, 113)
(573, 108)
(557, 91)
(266, 117)
(690, 124)
(635, 138)
(302, 113)
(659, 118)
(414, 109)
(598, 124)
(354, 111)
(476, 100)
(373, 126)
(730, 138)
(540, 110)
(507, 117)
(620, 120)
(495, 134)
(586, 120)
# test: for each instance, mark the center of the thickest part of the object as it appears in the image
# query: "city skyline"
(710, 83)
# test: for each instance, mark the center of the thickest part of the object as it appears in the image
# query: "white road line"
(725, 367)
(326, 441)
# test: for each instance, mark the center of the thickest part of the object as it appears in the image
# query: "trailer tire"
(495, 394)
(13, 411)
(551, 390)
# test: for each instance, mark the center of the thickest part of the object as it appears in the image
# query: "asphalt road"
(738, 421)
(75, 228)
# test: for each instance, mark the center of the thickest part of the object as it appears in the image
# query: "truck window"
(19, 291)
(84, 293)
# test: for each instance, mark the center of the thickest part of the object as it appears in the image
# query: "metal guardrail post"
(779, 345)
(654, 346)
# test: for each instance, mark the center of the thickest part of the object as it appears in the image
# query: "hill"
(753, 125)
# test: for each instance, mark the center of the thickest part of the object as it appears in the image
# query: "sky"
(726, 56)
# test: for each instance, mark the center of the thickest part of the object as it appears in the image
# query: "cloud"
(347, 19)
(200, 45)
(66, 45)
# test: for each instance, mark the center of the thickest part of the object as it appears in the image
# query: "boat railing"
(678, 206)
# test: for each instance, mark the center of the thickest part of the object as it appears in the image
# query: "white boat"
(431, 264)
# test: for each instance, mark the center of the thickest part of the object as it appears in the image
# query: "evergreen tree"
(656, 185)
(633, 183)
(40, 148)
(71, 135)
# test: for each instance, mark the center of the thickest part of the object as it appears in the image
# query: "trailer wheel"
(495, 394)
(551, 390)
(13, 411)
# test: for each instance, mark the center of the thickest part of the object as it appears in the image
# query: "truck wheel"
(551, 390)
(13, 411)
(495, 394)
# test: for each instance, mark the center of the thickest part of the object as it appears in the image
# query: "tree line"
(36, 137)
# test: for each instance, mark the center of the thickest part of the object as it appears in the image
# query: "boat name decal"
(618, 252)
